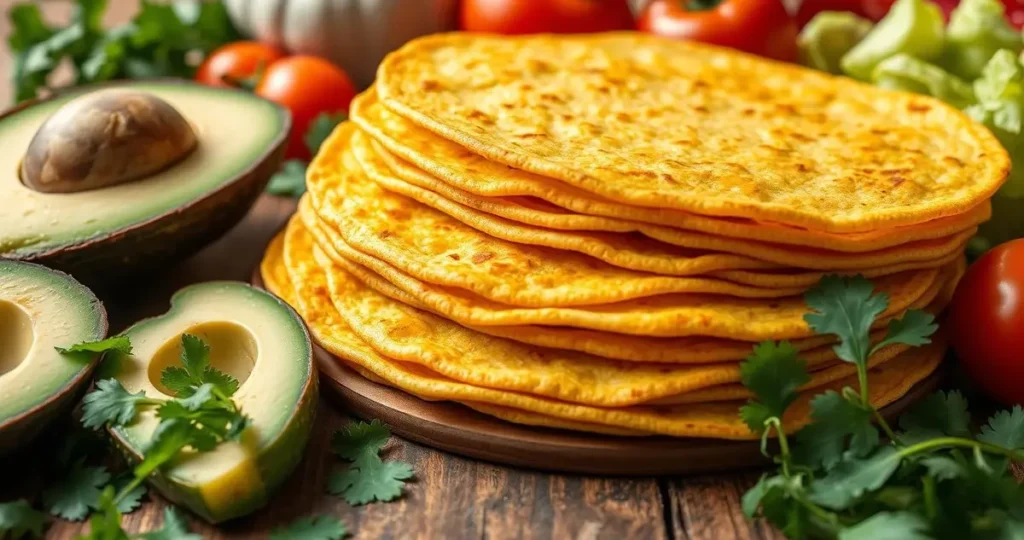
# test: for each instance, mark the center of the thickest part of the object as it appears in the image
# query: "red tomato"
(237, 61)
(986, 322)
(756, 26)
(540, 16)
(307, 86)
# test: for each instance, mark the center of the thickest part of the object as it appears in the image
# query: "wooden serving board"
(454, 428)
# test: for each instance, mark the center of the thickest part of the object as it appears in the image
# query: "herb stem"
(783, 446)
(886, 428)
(957, 442)
(862, 380)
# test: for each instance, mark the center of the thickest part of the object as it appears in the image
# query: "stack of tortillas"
(591, 232)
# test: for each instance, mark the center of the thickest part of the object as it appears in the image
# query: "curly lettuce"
(977, 29)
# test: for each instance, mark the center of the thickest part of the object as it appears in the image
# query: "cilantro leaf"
(195, 359)
(942, 467)
(290, 180)
(169, 438)
(888, 526)
(752, 498)
(914, 329)
(132, 500)
(18, 519)
(1005, 429)
(321, 128)
(774, 373)
(311, 528)
(71, 497)
(1011, 529)
(111, 404)
(846, 308)
(121, 344)
(359, 440)
(938, 414)
(823, 441)
(174, 528)
(105, 524)
(370, 479)
(851, 478)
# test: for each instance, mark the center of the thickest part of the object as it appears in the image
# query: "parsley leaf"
(851, 478)
(196, 371)
(936, 415)
(1005, 429)
(914, 329)
(942, 467)
(846, 308)
(111, 404)
(822, 442)
(121, 344)
(174, 528)
(72, 496)
(311, 528)
(888, 526)
(358, 440)
(290, 180)
(752, 498)
(774, 373)
(106, 523)
(18, 519)
(369, 480)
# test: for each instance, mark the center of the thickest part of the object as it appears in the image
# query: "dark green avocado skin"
(160, 242)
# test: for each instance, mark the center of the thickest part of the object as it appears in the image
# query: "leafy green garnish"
(311, 528)
(290, 180)
(111, 404)
(78, 492)
(161, 41)
(368, 478)
(174, 528)
(841, 478)
(196, 371)
(105, 524)
(121, 344)
(18, 519)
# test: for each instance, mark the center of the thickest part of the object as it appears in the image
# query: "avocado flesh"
(41, 309)
(235, 130)
(259, 340)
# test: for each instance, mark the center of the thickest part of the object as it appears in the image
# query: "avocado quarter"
(144, 223)
(41, 309)
(254, 337)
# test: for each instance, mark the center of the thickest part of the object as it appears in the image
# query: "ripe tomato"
(237, 61)
(760, 27)
(986, 322)
(539, 16)
(307, 86)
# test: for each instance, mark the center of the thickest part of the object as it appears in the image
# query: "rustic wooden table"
(452, 497)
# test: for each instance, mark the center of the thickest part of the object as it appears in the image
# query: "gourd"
(355, 34)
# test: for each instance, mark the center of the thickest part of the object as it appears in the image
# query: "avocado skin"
(169, 237)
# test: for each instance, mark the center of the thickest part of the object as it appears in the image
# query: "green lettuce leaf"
(904, 72)
(977, 30)
(828, 37)
(1000, 93)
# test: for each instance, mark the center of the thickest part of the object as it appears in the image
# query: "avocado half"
(147, 222)
(262, 342)
(41, 309)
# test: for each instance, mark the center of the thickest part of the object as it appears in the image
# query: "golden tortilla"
(716, 420)
(670, 124)
(471, 180)
(789, 256)
(668, 315)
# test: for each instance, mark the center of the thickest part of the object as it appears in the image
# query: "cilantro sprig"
(290, 180)
(368, 478)
(839, 478)
(201, 416)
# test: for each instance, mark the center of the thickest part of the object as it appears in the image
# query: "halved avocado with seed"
(41, 309)
(118, 178)
(260, 341)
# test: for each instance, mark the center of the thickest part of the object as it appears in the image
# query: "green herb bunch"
(163, 40)
(838, 477)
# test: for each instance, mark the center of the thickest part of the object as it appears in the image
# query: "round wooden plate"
(454, 428)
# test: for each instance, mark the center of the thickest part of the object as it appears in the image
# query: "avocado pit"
(15, 334)
(105, 138)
